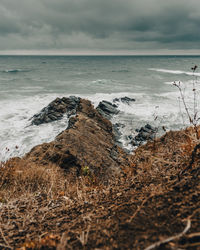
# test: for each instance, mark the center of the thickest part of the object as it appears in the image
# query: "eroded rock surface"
(88, 141)
(56, 109)
(107, 109)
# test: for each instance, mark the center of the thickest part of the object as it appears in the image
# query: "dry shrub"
(161, 162)
(148, 199)
(20, 177)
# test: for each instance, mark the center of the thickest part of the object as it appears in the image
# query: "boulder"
(107, 109)
(56, 109)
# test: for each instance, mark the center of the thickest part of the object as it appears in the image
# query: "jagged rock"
(88, 141)
(145, 133)
(125, 99)
(56, 109)
(107, 109)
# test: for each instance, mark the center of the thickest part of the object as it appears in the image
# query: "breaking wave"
(176, 72)
(15, 70)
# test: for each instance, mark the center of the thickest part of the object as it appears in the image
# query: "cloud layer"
(99, 25)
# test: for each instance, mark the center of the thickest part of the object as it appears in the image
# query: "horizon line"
(99, 53)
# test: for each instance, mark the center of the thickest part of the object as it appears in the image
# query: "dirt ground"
(152, 204)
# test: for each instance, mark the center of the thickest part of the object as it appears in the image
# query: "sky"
(99, 26)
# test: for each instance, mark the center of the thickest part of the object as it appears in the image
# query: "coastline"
(83, 191)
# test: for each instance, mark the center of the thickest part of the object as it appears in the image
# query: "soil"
(154, 197)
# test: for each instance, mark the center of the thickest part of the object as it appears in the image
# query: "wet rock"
(56, 109)
(107, 109)
(117, 134)
(129, 137)
(119, 125)
(126, 100)
(89, 141)
(145, 133)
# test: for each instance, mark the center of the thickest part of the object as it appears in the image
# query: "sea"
(29, 83)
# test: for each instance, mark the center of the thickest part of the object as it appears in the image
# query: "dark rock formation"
(88, 141)
(144, 134)
(56, 109)
(117, 134)
(126, 100)
(107, 109)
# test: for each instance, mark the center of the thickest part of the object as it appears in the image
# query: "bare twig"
(83, 238)
(157, 244)
(138, 209)
(184, 103)
(194, 154)
(7, 244)
(63, 242)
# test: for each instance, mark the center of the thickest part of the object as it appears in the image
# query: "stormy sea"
(29, 83)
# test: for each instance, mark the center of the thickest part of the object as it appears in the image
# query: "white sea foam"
(176, 72)
(103, 81)
(17, 137)
(168, 83)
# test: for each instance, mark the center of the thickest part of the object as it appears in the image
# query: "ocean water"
(28, 83)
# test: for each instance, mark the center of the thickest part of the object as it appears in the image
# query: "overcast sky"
(99, 26)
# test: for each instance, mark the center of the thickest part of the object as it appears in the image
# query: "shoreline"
(154, 193)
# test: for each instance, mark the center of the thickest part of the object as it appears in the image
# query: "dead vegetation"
(152, 204)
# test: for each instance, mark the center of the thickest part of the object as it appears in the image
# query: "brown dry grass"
(42, 207)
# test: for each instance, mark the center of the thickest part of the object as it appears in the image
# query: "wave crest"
(176, 72)
(14, 70)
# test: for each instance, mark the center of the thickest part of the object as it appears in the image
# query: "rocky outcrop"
(56, 109)
(107, 109)
(145, 134)
(125, 99)
(88, 141)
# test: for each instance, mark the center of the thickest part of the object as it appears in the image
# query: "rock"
(148, 126)
(56, 109)
(119, 125)
(116, 133)
(107, 109)
(129, 137)
(145, 133)
(126, 100)
(88, 141)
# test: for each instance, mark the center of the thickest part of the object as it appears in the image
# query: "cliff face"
(88, 141)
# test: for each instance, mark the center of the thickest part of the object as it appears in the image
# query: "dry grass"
(45, 207)
(25, 179)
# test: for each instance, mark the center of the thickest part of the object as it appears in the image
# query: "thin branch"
(184, 103)
(194, 154)
(157, 244)
(7, 244)
(138, 209)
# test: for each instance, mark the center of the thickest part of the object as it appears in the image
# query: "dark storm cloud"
(99, 24)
